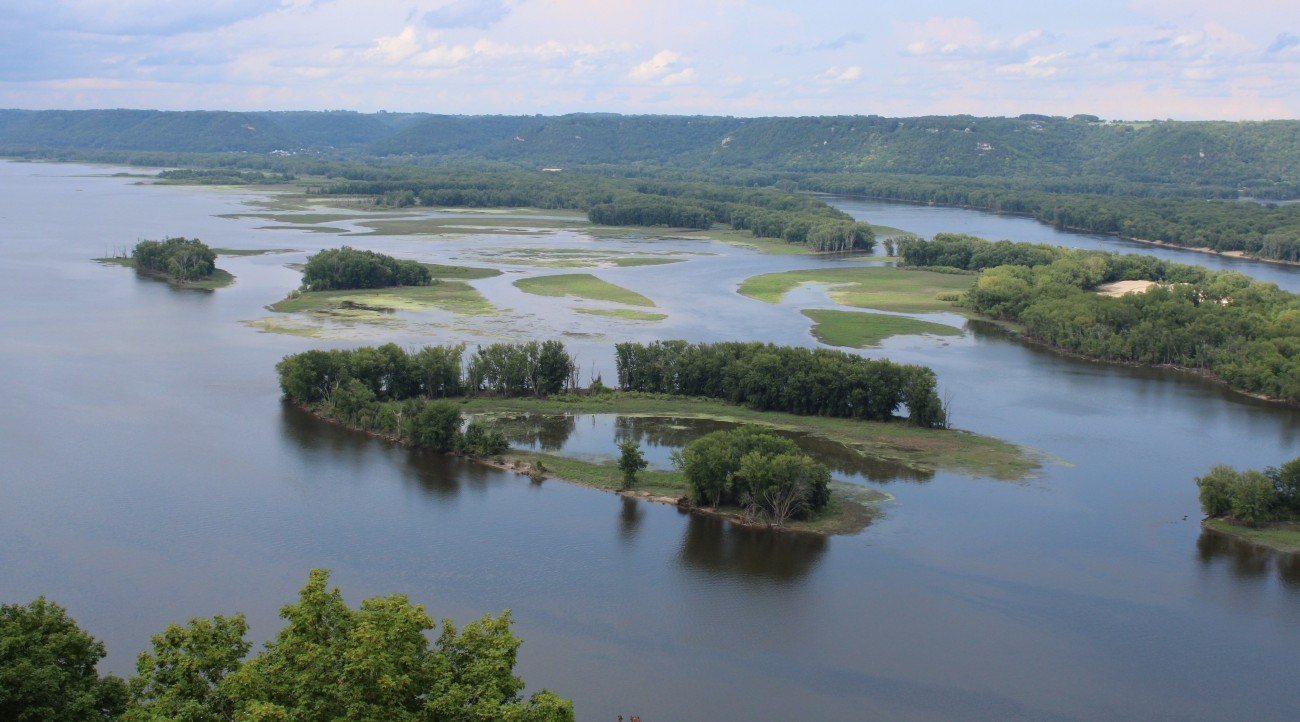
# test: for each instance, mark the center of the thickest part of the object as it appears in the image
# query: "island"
(751, 474)
(182, 262)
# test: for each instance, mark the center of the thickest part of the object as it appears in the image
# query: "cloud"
(481, 14)
(665, 67)
(1039, 66)
(1282, 43)
(140, 17)
(965, 38)
(838, 43)
(840, 75)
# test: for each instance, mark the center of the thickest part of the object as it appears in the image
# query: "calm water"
(151, 474)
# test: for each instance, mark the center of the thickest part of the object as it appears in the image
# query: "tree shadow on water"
(717, 546)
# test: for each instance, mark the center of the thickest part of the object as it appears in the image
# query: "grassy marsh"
(581, 285)
(924, 449)
(880, 287)
(455, 296)
(624, 313)
(854, 329)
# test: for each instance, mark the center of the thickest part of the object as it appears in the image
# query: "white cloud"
(1039, 66)
(665, 67)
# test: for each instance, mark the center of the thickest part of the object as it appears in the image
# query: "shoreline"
(1162, 244)
(853, 507)
(1266, 536)
(1021, 333)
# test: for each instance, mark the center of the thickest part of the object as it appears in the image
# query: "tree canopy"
(344, 268)
(47, 668)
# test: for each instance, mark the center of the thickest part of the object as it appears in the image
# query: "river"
(151, 474)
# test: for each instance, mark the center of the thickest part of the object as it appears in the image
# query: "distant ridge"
(1220, 153)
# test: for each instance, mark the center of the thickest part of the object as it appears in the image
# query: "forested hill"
(1254, 155)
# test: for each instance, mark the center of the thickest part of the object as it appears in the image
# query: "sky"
(1118, 59)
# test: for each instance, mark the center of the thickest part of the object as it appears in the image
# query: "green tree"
(1216, 488)
(183, 678)
(47, 668)
(630, 461)
(1253, 498)
(435, 425)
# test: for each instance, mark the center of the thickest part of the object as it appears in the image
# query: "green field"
(880, 287)
(923, 449)
(581, 285)
(854, 329)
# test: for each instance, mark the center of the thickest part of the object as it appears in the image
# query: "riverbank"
(1280, 536)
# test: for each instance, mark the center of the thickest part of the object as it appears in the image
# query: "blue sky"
(1119, 59)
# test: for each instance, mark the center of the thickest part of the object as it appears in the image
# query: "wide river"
(151, 473)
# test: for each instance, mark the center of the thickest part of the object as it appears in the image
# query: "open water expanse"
(150, 473)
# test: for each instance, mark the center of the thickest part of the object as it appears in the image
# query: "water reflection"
(536, 431)
(630, 515)
(714, 545)
(596, 437)
(1245, 560)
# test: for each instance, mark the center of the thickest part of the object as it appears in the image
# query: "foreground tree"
(630, 461)
(47, 668)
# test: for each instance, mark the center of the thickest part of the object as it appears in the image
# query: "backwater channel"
(151, 473)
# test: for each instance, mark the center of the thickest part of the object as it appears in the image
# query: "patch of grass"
(627, 313)
(879, 287)
(886, 231)
(455, 296)
(1283, 536)
(631, 262)
(305, 229)
(853, 329)
(218, 279)
(250, 251)
(581, 285)
(124, 261)
(459, 226)
(463, 273)
(924, 449)
(310, 219)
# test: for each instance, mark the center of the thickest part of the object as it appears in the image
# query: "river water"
(151, 474)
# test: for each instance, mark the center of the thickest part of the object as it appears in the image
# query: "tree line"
(767, 377)
(1177, 215)
(389, 391)
(329, 663)
(335, 269)
(609, 199)
(1251, 497)
(1242, 331)
(184, 259)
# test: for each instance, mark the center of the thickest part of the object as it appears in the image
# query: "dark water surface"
(151, 473)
